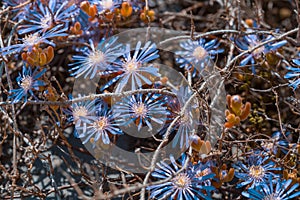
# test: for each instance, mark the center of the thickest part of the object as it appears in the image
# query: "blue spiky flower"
(247, 42)
(197, 53)
(80, 113)
(258, 170)
(100, 126)
(279, 142)
(45, 17)
(294, 73)
(141, 109)
(28, 82)
(31, 40)
(133, 70)
(97, 59)
(183, 185)
(187, 124)
(273, 190)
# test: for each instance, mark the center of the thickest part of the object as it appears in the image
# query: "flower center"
(46, 22)
(97, 58)
(107, 4)
(268, 145)
(80, 112)
(26, 83)
(272, 197)
(257, 52)
(199, 53)
(257, 171)
(140, 109)
(131, 66)
(182, 181)
(31, 40)
(102, 123)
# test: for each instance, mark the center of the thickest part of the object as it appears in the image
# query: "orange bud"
(109, 15)
(224, 167)
(249, 22)
(51, 95)
(126, 9)
(76, 29)
(24, 56)
(200, 146)
(143, 16)
(227, 112)
(117, 11)
(77, 26)
(237, 120)
(43, 59)
(151, 13)
(246, 111)
(50, 54)
(228, 100)
(92, 11)
(85, 6)
(196, 143)
(30, 61)
(230, 118)
(228, 125)
(229, 175)
(39, 50)
(147, 15)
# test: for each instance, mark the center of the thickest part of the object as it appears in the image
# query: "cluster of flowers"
(190, 180)
(99, 121)
(196, 179)
(258, 49)
(260, 175)
(186, 180)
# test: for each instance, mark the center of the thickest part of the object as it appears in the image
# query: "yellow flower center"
(182, 181)
(140, 109)
(257, 171)
(131, 66)
(97, 58)
(101, 123)
(268, 145)
(80, 112)
(46, 22)
(107, 4)
(26, 83)
(199, 53)
(257, 52)
(30, 40)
